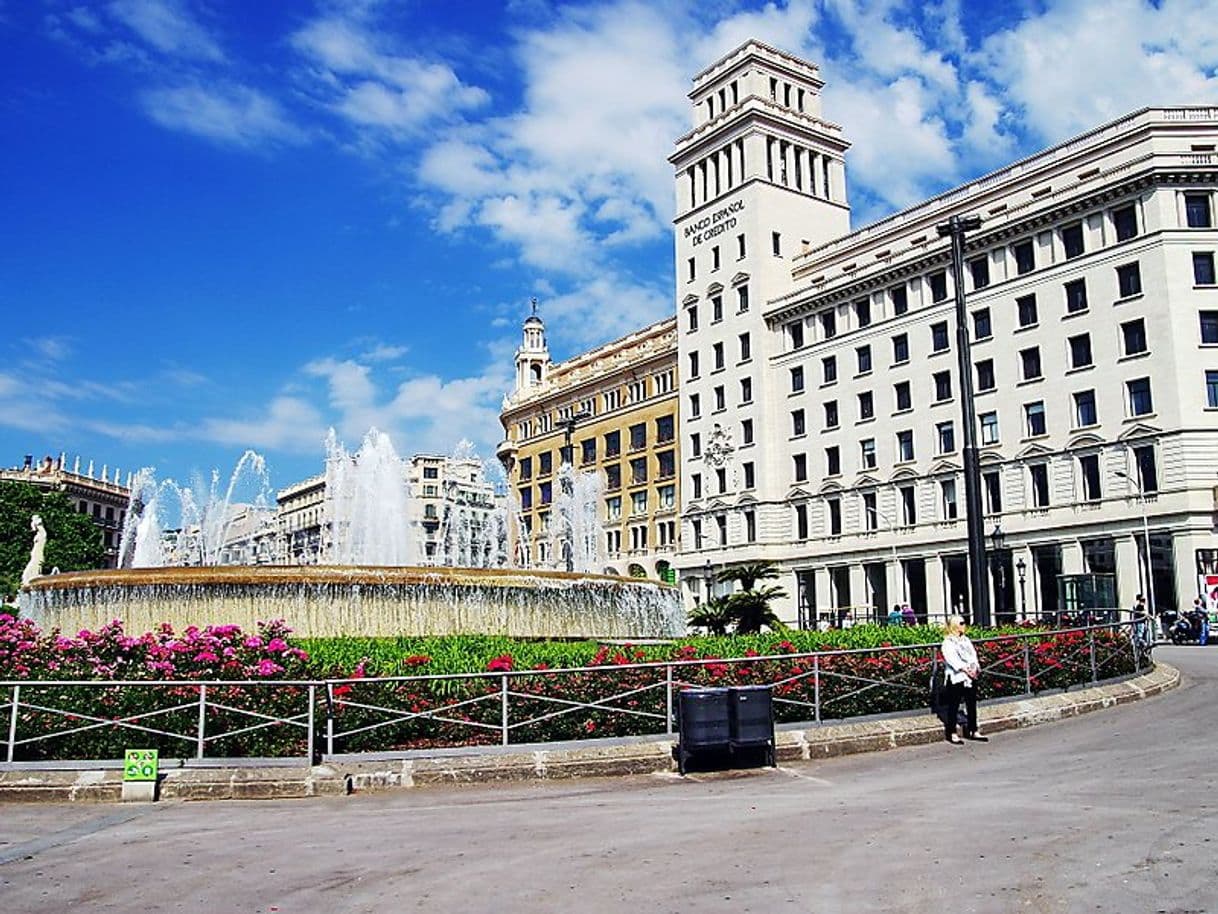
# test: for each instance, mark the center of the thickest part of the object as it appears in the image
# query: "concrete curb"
(342, 777)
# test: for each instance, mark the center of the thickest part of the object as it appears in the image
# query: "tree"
(74, 543)
(748, 574)
(715, 615)
(751, 610)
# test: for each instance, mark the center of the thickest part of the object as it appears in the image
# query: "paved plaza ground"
(1114, 811)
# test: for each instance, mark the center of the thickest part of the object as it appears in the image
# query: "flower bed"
(869, 670)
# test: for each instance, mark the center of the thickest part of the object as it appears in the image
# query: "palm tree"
(748, 574)
(715, 615)
(751, 609)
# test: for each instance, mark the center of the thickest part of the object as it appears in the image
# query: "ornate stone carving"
(718, 448)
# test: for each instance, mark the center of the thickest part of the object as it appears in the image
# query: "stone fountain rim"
(328, 574)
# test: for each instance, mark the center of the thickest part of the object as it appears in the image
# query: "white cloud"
(288, 424)
(164, 24)
(228, 114)
(49, 348)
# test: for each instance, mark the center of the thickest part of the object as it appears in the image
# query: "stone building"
(103, 498)
(819, 408)
(613, 411)
(456, 512)
(301, 519)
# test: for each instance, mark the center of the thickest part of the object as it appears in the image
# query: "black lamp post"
(709, 574)
(1021, 567)
(955, 229)
(997, 540)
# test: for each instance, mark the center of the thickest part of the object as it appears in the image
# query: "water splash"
(367, 503)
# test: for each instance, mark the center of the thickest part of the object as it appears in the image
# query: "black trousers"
(949, 707)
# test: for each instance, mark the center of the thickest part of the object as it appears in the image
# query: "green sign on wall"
(140, 764)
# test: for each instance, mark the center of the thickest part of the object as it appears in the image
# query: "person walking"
(960, 682)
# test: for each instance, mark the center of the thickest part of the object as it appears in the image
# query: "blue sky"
(228, 224)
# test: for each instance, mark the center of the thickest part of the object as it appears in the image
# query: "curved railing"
(64, 720)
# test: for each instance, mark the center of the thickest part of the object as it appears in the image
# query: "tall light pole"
(955, 229)
(1150, 572)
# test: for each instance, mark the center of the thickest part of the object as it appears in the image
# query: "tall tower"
(533, 356)
(759, 177)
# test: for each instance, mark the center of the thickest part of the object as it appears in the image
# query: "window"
(695, 445)
(638, 436)
(833, 461)
(831, 417)
(1076, 296)
(526, 468)
(1197, 211)
(1026, 308)
(904, 399)
(1080, 350)
(797, 379)
(900, 300)
(992, 485)
(1139, 397)
(905, 446)
(947, 488)
(981, 324)
(746, 390)
(721, 479)
(613, 508)
(1038, 473)
(1025, 257)
(694, 367)
(746, 347)
(1125, 222)
(742, 299)
(795, 333)
(798, 425)
(545, 463)
(740, 247)
(1211, 389)
(717, 356)
(938, 286)
(909, 505)
(638, 502)
(866, 405)
(667, 496)
(750, 526)
(1129, 280)
(750, 474)
(834, 506)
(720, 398)
(828, 324)
(1089, 470)
(1084, 409)
(1209, 326)
(695, 406)
(638, 471)
(863, 354)
(714, 258)
(526, 497)
(867, 453)
(545, 493)
(800, 467)
(1203, 268)
(862, 312)
(696, 484)
(692, 315)
(980, 270)
(989, 427)
(613, 444)
(870, 519)
(1144, 463)
(1072, 240)
(947, 437)
(943, 386)
(587, 450)
(666, 464)
(693, 271)
(985, 375)
(746, 431)
(776, 243)
(938, 337)
(1133, 336)
(1034, 413)
(900, 348)
(828, 369)
(801, 522)
(1029, 360)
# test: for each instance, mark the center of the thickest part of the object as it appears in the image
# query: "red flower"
(500, 664)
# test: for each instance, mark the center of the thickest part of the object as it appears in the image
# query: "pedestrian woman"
(960, 682)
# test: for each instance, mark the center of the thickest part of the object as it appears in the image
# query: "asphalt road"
(1109, 812)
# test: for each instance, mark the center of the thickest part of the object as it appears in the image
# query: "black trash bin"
(751, 719)
(702, 722)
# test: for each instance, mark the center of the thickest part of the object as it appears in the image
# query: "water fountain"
(370, 590)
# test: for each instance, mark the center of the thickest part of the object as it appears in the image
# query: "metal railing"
(326, 718)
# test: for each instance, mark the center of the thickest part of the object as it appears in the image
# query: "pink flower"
(206, 657)
(253, 643)
(277, 645)
(268, 668)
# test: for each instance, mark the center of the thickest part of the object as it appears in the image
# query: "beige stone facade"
(616, 407)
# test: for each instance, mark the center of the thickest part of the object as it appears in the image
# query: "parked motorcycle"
(1183, 628)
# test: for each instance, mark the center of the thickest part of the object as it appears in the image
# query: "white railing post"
(312, 711)
(503, 710)
(12, 723)
(200, 739)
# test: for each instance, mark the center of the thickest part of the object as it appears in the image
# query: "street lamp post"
(708, 573)
(1022, 568)
(955, 229)
(1150, 576)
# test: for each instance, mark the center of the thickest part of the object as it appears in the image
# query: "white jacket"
(959, 655)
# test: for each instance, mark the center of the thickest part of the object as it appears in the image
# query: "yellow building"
(613, 410)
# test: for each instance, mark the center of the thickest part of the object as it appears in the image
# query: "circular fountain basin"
(320, 601)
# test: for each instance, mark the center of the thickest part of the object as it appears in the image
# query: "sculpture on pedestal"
(33, 568)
